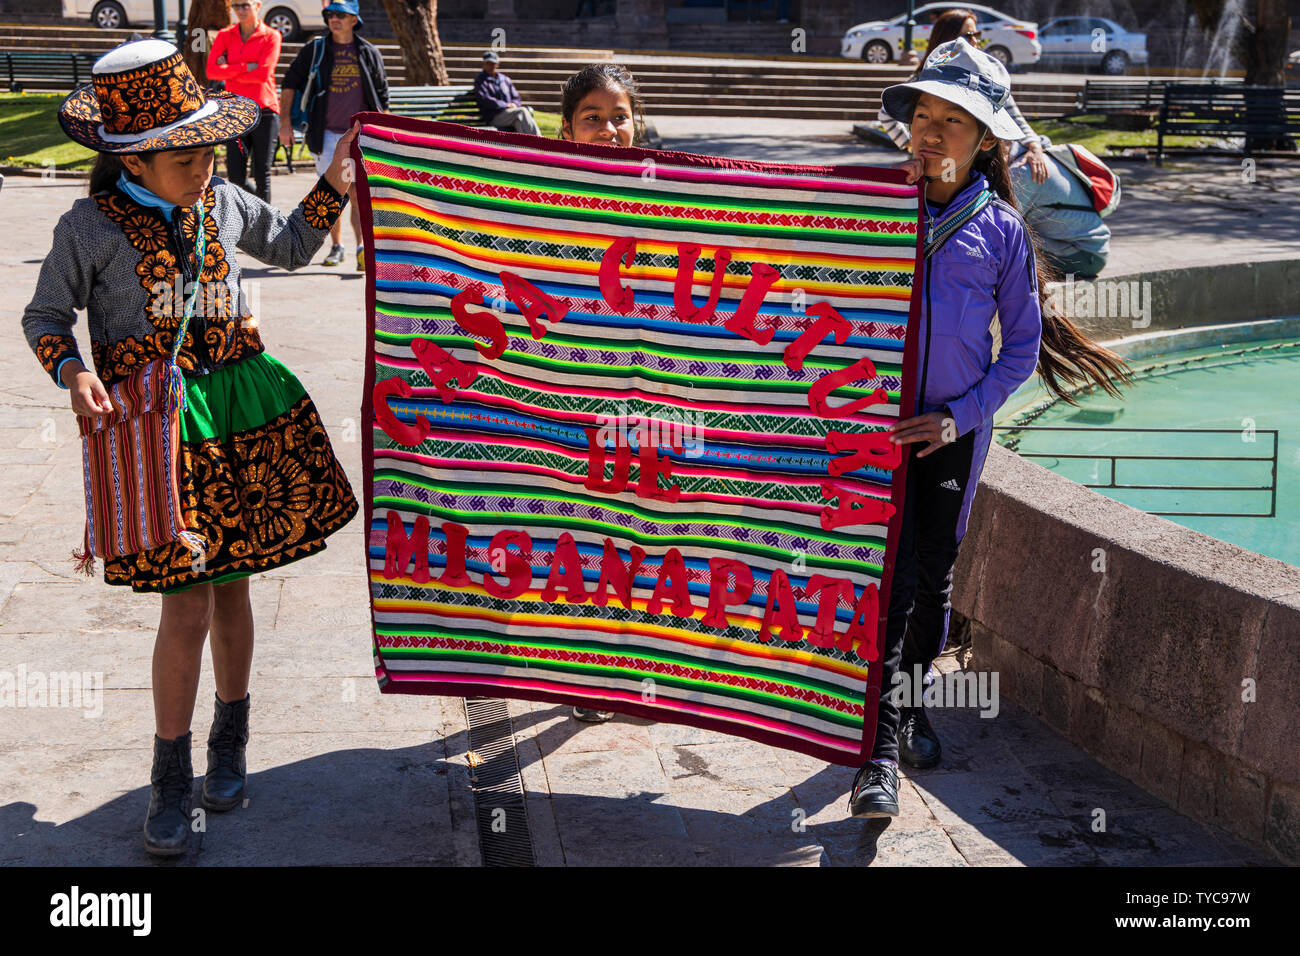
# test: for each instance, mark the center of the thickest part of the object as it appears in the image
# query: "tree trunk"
(207, 16)
(1260, 46)
(1266, 58)
(415, 25)
(1265, 62)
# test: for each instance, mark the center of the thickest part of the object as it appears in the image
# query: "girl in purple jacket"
(980, 262)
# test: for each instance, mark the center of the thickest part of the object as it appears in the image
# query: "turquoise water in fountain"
(1248, 389)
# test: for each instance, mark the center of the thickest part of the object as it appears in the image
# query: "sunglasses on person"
(973, 35)
(335, 15)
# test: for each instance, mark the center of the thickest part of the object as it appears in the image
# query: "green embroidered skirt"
(258, 480)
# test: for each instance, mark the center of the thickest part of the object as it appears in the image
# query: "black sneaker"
(875, 790)
(918, 745)
(589, 716)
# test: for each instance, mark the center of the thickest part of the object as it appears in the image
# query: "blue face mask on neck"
(144, 197)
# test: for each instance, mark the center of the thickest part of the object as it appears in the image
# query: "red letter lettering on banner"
(780, 610)
(479, 323)
(652, 466)
(831, 590)
(723, 573)
(742, 320)
(620, 298)
(613, 574)
(566, 573)
(596, 480)
(398, 431)
(828, 321)
(819, 394)
(454, 575)
(688, 255)
(533, 303)
(865, 450)
(861, 635)
(399, 550)
(671, 568)
(441, 367)
(853, 509)
(517, 566)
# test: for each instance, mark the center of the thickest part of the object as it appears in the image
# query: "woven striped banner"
(625, 413)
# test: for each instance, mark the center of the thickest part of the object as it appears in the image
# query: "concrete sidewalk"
(341, 776)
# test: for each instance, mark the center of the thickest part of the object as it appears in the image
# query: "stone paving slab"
(342, 774)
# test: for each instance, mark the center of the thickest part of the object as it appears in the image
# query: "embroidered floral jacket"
(129, 267)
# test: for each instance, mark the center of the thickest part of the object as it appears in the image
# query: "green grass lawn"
(31, 135)
(1089, 132)
(548, 123)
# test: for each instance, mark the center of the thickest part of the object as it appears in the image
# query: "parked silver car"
(1011, 40)
(1092, 41)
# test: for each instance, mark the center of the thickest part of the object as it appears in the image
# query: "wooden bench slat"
(1237, 110)
(31, 66)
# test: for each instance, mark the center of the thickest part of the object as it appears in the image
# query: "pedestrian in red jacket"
(244, 56)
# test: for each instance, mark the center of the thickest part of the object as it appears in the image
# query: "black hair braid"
(1067, 357)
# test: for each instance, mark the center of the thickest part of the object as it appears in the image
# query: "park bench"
(1219, 110)
(1116, 96)
(41, 68)
(452, 104)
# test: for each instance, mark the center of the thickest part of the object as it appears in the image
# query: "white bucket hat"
(964, 75)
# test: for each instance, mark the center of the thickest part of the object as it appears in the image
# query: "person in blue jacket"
(981, 267)
(499, 103)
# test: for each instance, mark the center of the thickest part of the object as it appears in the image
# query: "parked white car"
(290, 17)
(1013, 41)
(1092, 41)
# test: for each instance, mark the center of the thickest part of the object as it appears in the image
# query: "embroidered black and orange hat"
(142, 97)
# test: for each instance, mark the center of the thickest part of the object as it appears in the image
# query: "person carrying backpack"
(338, 74)
(1066, 209)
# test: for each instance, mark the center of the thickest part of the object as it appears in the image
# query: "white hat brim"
(897, 101)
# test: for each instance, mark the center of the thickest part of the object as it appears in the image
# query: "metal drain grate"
(503, 835)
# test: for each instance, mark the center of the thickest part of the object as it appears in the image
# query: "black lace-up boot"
(223, 785)
(167, 827)
(875, 790)
(918, 744)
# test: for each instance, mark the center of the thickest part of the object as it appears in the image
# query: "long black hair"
(611, 76)
(1067, 357)
(108, 167)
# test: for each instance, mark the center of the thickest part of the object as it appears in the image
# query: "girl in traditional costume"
(259, 485)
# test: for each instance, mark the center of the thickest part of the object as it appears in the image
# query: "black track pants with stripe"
(922, 583)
